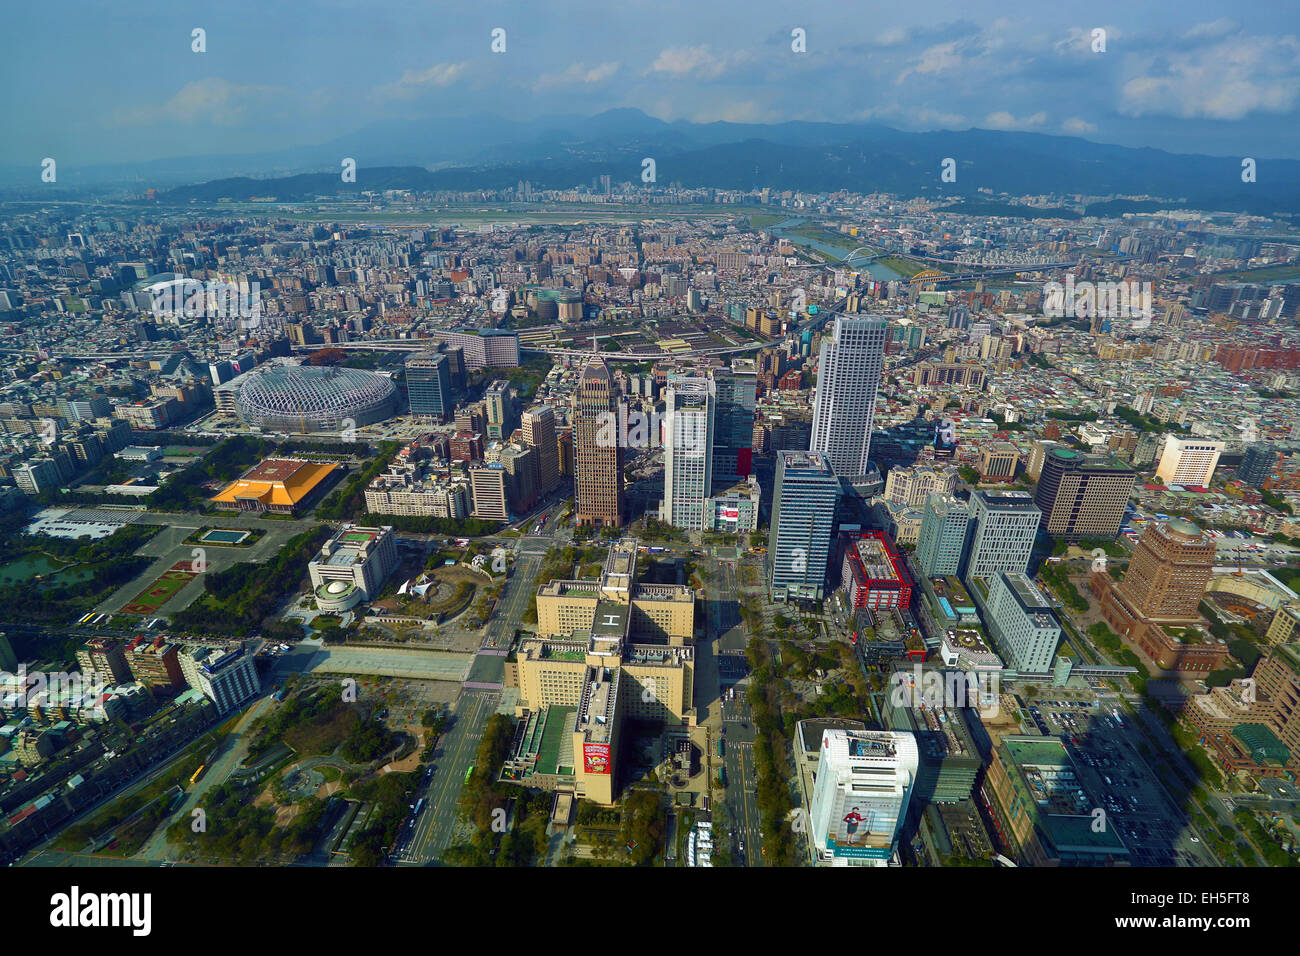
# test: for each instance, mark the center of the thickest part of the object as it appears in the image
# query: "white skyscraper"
(688, 451)
(859, 802)
(848, 379)
(1189, 461)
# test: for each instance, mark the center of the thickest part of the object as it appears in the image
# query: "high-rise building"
(873, 572)
(1082, 496)
(499, 401)
(1169, 571)
(485, 348)
(863, 785)
(105, 659)
(941, 543)
(597, 471)
(804, 502)
(490, 485)
(1004, 527)
(1038, 457)
(428, 386)
(848, 379)
(1257, 464)
(538, 424)
(998, 463)
(688, 451)
(226, 676)
(156, 663)
(1188, 461)
(911, 486)
(1285, 626)
(1021, 622)
(1254, 728)
(736, 391)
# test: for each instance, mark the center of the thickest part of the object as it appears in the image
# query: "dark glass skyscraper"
(428, 386)
(804, 503)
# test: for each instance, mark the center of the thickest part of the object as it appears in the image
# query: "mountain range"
(488, 152)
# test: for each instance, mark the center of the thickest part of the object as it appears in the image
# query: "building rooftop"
(278, 481)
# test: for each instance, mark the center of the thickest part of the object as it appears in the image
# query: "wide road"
(439, 824)
(745, 820)
(732, 718)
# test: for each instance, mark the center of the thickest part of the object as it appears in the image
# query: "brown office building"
(156, 663)
(1169, 572)
(999, 462)
(103, 658)
(1254, 728)
(597, 473)
(1156, 605)
(1082, 496)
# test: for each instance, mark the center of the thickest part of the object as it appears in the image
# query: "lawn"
(162, 590)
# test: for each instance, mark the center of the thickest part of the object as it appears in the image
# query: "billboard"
(595, 758)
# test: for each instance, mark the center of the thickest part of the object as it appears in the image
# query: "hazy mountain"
(483, 151)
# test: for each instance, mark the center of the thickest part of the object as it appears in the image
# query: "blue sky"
(89, 81)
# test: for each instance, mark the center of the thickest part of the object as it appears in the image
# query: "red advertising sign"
(595, 758)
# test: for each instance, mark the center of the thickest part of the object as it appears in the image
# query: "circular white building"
(338, 596)
(307, 398)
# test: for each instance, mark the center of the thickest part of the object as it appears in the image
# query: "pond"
(29, 566)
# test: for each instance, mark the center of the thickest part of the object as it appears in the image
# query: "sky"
(95, 81)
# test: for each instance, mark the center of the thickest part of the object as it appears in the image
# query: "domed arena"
(304, 399)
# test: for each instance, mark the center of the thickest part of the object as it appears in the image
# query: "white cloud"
(213, 101)
(1212, 30)
(577, 75)
(415, 82)
(1228, 80)
(696, 61)
(1078, 126)
(1004, 120)
(901, 116)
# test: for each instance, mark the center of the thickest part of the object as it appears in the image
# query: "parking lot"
(1154, 830)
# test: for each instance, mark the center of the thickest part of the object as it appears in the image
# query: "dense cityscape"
(651, 513)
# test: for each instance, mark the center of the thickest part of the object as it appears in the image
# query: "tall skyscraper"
(597, 471)
(499, 401)
(428, 386)
(941, 543)
(1005, 524)
(863, 785)
(688, 451)
(804, 502)
(1169, 571)
(1257, 464)
(539, 434)
(1188, 461)
(1082, 496)
(848, 379)
(733, 434)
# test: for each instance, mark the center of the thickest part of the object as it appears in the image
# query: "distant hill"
(815, 157)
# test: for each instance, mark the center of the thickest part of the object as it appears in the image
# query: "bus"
(419, 805)
(468, 772)
(721, 741)
(198, 773)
